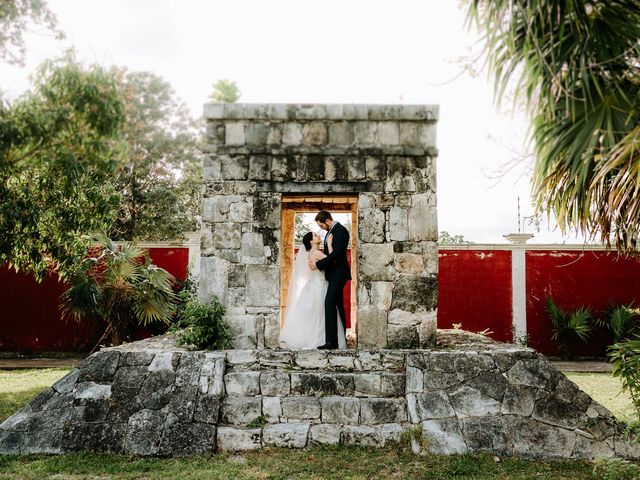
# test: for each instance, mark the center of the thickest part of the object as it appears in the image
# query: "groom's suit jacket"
(335, 264)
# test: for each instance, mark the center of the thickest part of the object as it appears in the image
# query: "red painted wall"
(575, 279)
(31, 320)
(474, 289)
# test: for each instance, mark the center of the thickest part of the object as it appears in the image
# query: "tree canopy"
(15, 16)
(577, 65)
(60, 144)
(161, 179)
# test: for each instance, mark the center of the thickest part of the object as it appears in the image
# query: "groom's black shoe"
(326, 346)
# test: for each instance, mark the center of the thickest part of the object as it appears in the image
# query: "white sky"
(352, 51)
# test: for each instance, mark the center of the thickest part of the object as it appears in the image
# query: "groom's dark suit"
(337, 272)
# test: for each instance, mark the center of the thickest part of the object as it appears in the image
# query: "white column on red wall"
(518, 285)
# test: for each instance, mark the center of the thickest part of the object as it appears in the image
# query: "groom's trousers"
(334, 304)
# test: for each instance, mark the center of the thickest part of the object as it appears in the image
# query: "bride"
(304, 321)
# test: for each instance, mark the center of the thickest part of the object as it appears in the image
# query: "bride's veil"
(299, 277)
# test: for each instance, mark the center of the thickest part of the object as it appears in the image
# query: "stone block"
(259, 167)
(427, 135)
(275, 384)
(415, 293)
(376, 262)
(226, 235)
(144, 431)
(408, 134)
(243, 330)
(337, 384)
(388, 133)
(253, 251)
(429, 406)
(398, 224)
(312, 359)
(402, 336)
(532, 373)
(239, 439)
(393, 385)
(234, 134)
(292, 134)
(325, 434)
(409, 263)
(272, 409)
(99, 367)
(356, 168)
(275, 135)
(400, 175)
(242, 383)
(415, 383)
(423, 220)
(241, 212)
(263, 286)
(271, 331)
(283, 169)
(342, 360)
(155, 391)
(287, 435)
(240, 410)
(427, 330)
(383, 410)
(531, 438)
(470, 401)
(306, 383)
(371, 225)
(375, 168)
(368, 436)
(365, 133)
(314, 134)
(180, 439)
(341, 133)
(340, 410)
(404, 319)
(367, 384)
(301, 408)
(518, 400)
(207, 409)
(372, 327)
(488, 434)
(234, 168)
(444, 436)
(256, 134)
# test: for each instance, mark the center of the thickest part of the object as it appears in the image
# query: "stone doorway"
(293, 205)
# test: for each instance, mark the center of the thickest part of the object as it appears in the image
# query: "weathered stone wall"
(385, 154)
(489, 397)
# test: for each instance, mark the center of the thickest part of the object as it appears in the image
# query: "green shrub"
(569, 327)
(616, 469)
(203, 325)
(622, 321)
(625, 359)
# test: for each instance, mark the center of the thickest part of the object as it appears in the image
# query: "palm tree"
(120, 287)
(577, 66)
(225, 91)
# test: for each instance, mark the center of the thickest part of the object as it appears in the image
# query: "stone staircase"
(296, 399)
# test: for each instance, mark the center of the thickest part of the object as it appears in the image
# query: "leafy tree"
(15, 16)
(59, 148)
(225, 91)
(577, 66)
(446, 237)
(160, 183)
(119, 287)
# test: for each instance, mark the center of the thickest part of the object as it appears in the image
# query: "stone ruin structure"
(383, 157)
(153, 398)
(467, 394)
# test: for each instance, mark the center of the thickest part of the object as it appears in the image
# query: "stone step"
(314, 383)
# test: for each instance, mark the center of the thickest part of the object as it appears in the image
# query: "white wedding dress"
(304, 320)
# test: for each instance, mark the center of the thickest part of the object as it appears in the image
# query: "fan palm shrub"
(120, 287)
(622, 321)
(569, 327)
(625, 359)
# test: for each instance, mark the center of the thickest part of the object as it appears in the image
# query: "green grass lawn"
(19, 386)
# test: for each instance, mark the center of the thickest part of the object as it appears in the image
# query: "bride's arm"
(313, 258)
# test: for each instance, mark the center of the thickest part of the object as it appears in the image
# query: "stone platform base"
(471, 394)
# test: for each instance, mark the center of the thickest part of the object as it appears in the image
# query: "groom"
(337, 272)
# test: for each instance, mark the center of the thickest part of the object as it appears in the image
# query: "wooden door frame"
(293, 204)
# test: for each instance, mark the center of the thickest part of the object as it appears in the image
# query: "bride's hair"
(307, 240)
